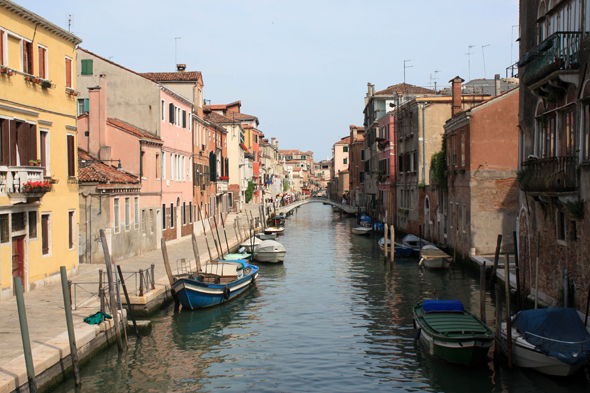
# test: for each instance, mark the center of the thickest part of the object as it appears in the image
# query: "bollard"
(153, 268)
(24, 331)
(101, 296)
(140, 282)
(70, 291)
(392, 236)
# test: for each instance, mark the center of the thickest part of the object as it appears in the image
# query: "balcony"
(549, 175)
(554, 58)
(13, 178)
(221, 186)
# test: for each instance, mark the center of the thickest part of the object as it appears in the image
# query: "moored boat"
(269, 251)
(433, 258)
(399, 249)
(552, 341)
(274, 230)
(362, 230)
(277, 221)
(216, 283)
(249, 243)
(237, 256)
(414, 242)
(266, 236)
(452, 333)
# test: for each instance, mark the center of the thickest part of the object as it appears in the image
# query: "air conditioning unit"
(167, 183)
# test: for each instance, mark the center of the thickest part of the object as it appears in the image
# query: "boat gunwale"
(420, 320)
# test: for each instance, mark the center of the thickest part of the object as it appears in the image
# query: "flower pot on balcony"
(46, 84)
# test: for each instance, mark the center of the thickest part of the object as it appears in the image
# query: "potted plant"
(35, 162)
(45, 84)
(36, 187)
(223, 178)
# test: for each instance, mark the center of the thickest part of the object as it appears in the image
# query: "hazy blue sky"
(302, 67)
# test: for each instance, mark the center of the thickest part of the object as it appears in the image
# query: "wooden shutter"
(212, 167)
(5, 141)
(68, 72)
(12, 141)
(227, 166)
(43, 147)
(45, 233)
(171, 113)
(22, 141)
(71, 151)
(86, 105)
(33, 142)
(183, 118)
(2, 47)
(42, 73)
(87, 67)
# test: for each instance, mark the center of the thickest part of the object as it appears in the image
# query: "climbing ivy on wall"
(438, 166)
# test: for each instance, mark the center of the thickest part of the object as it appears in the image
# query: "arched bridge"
(346, 208)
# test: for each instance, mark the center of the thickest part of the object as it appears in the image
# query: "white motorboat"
(362, 230)
(274, 230)
(433, 258)
(266, 236)
(552, 341)
(414, 242)
(269, 251)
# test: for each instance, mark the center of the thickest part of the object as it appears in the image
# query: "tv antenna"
(484, 60)
(405, 61)
(70, 20)
(435, 78)
(175, 50)
(469, 53)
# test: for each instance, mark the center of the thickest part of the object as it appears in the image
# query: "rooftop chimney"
(180, 67)
(497, 85)
(456, 94)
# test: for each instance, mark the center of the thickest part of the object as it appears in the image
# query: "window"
(4, 229)
(136, 211)
(164, 166)
(71, 156)
(164, 216)
(46, 233)
(183, 213)
(116, 215)
(45, 150)
(158, 166)
(586, 131)
(127, 214)
(463, 149)
(345, 161)
(163, 110)
(86, 67)
(172, 215)
(345, 149)
(3, 61)
(18, 222)
(83, 106)
(27, 57)
(42, 62)
(144, 221)
(69, 73)
(190, 212)
(32, 225)
(183, 118)
(72, 229)
(171, 113)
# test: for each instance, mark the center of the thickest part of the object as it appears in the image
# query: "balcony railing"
(12, 178)
(553, 174)
(558, 52)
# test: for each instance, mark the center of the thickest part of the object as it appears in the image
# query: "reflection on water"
(333, 317)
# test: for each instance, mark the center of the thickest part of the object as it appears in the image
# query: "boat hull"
(400, 251)
(524, 355)
(194, 295)
(361, 231)
(436, 263)
(467, 353)
(270, 257)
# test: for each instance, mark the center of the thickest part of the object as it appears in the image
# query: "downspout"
(423, 144)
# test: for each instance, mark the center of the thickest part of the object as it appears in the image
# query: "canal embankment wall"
(46, 317)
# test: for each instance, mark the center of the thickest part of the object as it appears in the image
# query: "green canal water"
(333, 318)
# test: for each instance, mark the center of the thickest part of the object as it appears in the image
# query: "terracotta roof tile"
(187, 76)
(216, 118)
(96, 171)
(343, 141)
(404, 88)
(132, 130)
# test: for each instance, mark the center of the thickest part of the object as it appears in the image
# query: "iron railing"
(558, 52)
(552, 174)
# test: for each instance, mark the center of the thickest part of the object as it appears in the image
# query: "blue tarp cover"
(562, 324)
(364, 217)
(442, 306)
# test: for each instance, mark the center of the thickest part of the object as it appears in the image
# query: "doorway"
(18, 260)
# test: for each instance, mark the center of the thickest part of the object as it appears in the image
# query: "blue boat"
(400, 249)
(216, 283)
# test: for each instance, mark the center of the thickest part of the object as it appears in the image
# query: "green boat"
(452, 333)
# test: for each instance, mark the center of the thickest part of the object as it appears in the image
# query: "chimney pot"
(180, 67)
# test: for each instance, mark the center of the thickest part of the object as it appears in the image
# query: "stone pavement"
(45, 311)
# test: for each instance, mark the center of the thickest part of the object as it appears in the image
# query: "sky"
(301, 67)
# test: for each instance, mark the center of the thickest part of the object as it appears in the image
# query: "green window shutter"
(86, 106)
(87, 67)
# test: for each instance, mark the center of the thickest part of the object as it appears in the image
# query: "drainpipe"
(85, 195)
(423, 144)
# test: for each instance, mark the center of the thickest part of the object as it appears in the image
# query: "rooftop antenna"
(405, 61)
(484, 60)
(175, 50)
(469, 53)
(69, 17)
(435, 78)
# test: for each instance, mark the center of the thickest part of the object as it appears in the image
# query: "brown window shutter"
(5, 141)
(12, 142)
(41, 63)
(68, 72)
(33, 142)
(71, 151)
(22, 140)
(45, 233)
(43, 151)
(1, 47)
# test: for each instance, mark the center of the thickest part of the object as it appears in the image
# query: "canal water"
(332, 318)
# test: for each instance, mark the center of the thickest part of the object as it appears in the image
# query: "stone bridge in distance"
(344, 207)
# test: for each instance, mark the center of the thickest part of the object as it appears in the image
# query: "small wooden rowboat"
(275, 230)
(452, 333)
(433, 258)
(400, 249)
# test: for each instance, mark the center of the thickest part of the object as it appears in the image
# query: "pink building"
(176, 164)
(386, 143)
(120, 185)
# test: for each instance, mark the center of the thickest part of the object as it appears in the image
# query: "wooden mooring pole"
(496, 259)
(392, 236)
(113, 301)
(517, 265)
(131, 313)
(508, 321)
(24, 332)
(70, 324)
(385, 243)
(482, 292)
